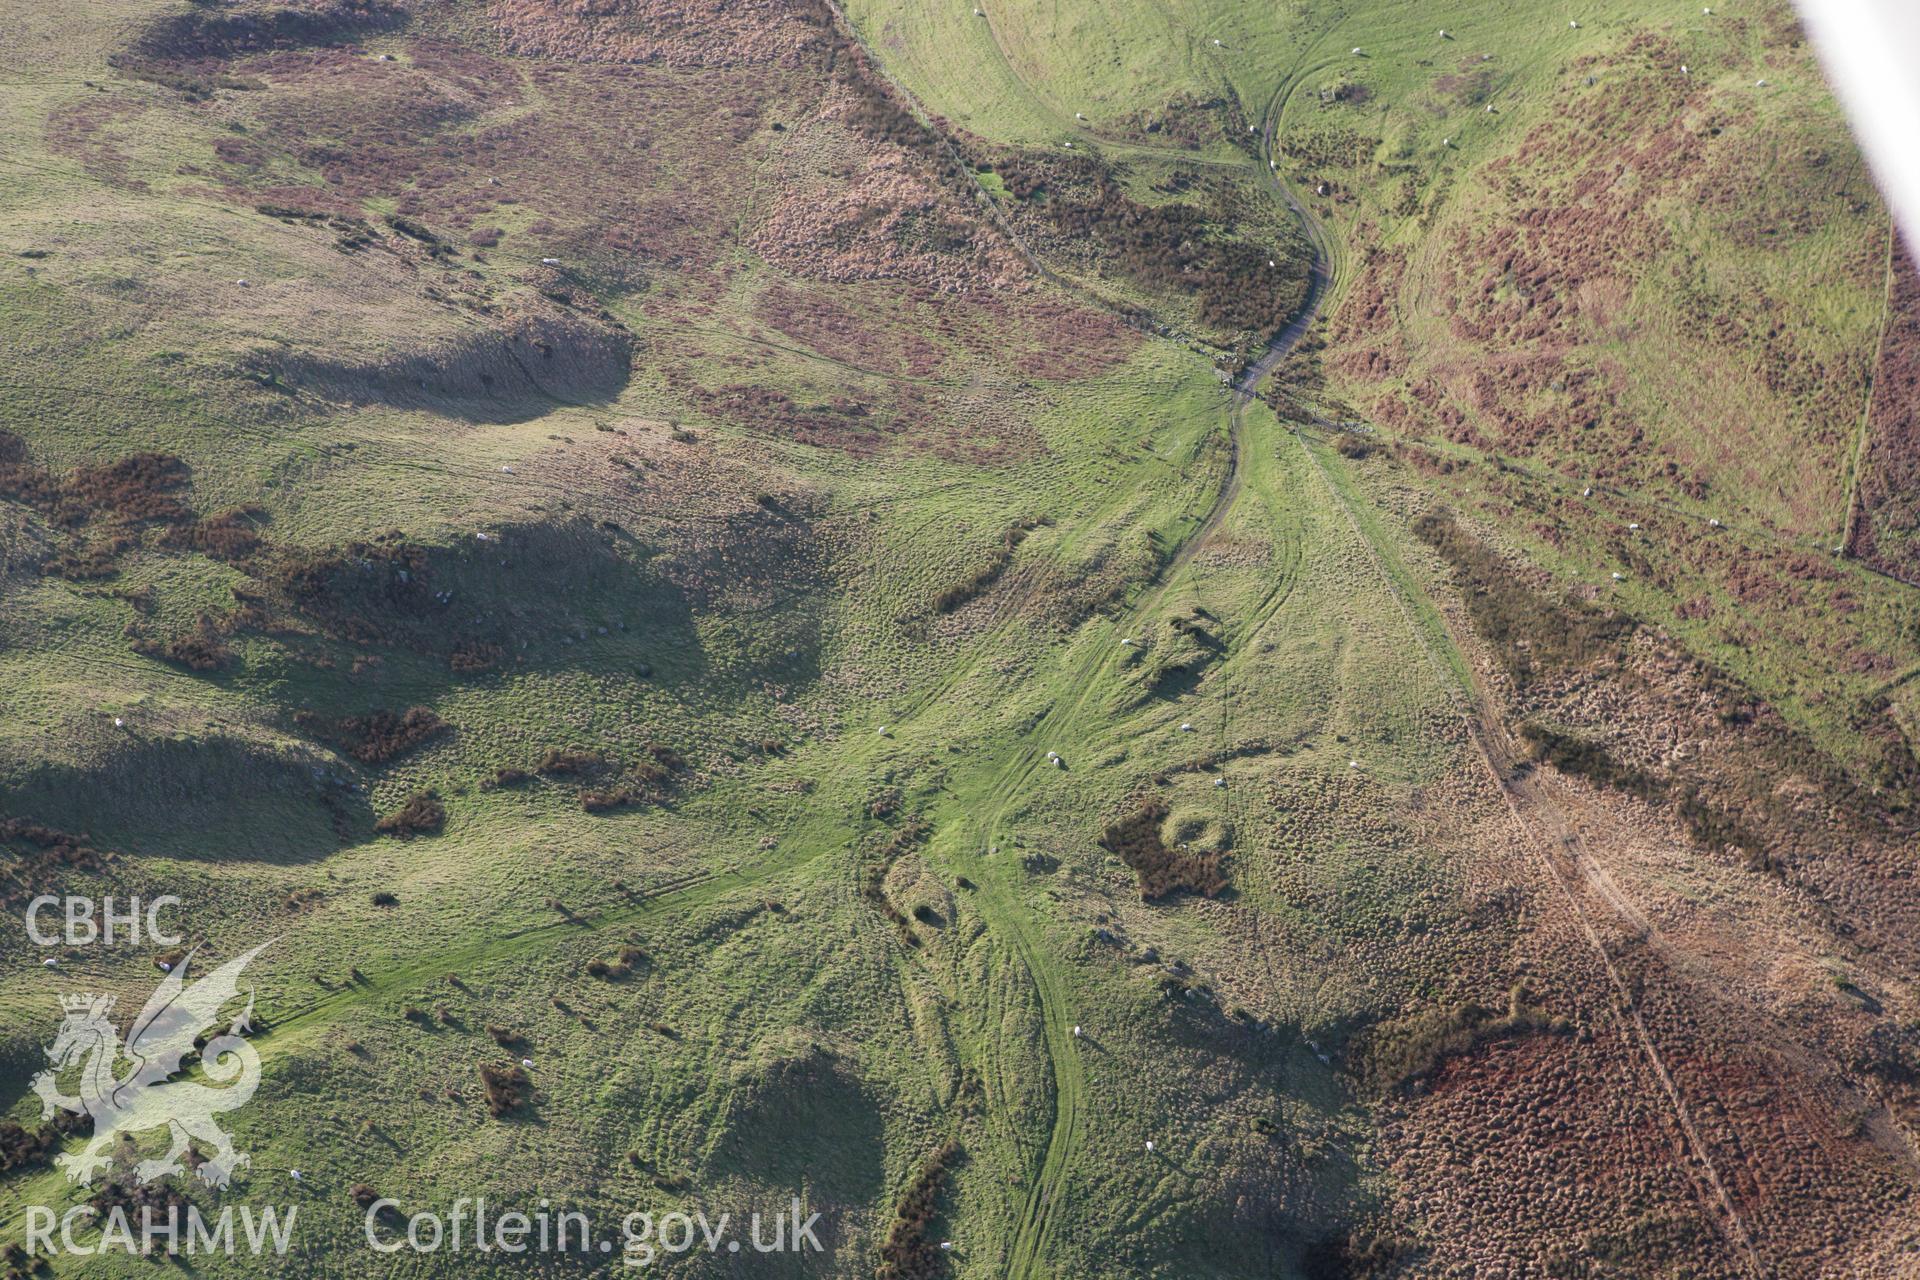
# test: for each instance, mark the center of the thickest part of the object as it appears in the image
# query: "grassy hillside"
(764, 563)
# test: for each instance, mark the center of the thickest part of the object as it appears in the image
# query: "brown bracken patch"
(1162, 871)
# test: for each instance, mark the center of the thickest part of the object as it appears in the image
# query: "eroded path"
(1006, 915)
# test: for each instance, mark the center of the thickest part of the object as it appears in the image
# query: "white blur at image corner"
(1869, 50)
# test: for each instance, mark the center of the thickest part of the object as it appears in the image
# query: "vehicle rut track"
(1003, 912)
(1543, 829)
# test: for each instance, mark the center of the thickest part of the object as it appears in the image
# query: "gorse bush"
(908, 1253)
(1162, 871)
(423, 814)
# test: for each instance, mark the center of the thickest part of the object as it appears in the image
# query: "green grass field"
(817, 544)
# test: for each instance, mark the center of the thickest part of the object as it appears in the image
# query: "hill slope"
(1156, 640)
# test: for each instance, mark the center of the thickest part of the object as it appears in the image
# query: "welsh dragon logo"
(146, 1096)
